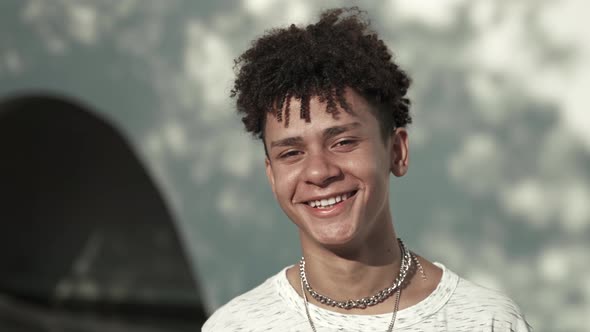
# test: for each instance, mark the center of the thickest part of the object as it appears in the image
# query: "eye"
(289, 153)
(345, 143)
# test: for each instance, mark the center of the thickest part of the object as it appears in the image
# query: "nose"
(320, 170)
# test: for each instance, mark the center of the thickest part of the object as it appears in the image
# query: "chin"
(340, 230)
(334, 238)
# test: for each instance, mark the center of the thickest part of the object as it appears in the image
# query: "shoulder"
(470, 294)
(486, 307)
(238, 313)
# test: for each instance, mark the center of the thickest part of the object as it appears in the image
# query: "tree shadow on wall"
(86, 241)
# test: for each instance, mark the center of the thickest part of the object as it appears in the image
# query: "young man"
(330, 107)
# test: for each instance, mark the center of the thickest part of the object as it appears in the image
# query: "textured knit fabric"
(455, 305)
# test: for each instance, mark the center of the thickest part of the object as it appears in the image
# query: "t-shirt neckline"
(406, 317)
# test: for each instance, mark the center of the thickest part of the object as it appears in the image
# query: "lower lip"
(333, 210)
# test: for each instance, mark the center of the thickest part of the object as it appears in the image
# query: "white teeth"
(328, 202)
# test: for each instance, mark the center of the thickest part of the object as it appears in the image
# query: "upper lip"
(319, 198)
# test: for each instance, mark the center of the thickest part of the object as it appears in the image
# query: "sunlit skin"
(350, 247)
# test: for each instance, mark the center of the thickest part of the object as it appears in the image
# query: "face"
(331, 175)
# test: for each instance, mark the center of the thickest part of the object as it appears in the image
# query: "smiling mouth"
(327, 203)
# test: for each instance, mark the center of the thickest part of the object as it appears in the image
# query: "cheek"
(373, 171)
(285, 183)
(368, 167)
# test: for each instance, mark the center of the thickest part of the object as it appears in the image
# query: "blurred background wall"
(499, 183)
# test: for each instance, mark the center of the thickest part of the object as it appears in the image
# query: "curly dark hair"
(323, 59)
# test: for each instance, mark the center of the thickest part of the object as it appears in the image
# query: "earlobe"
(399, 152)
(270, 175)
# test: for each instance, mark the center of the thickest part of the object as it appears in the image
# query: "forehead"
(320, 118)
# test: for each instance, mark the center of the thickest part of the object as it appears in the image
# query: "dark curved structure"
(86, 240)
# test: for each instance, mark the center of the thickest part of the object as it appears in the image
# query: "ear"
(399, 152)
(270, 175)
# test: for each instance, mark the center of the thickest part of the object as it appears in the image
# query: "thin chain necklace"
(393, 315)
(408, 257)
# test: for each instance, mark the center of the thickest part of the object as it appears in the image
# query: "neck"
(352, 273)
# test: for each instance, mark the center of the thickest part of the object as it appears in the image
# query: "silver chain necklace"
(364, 302)
(408, 257)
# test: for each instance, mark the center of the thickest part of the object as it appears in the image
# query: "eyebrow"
(337, 130)
(327, 134)
(289, 141)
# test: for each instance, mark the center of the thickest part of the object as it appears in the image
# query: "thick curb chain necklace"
(408, 257)
(365, 301)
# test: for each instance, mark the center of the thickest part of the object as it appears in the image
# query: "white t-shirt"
(455, 305)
